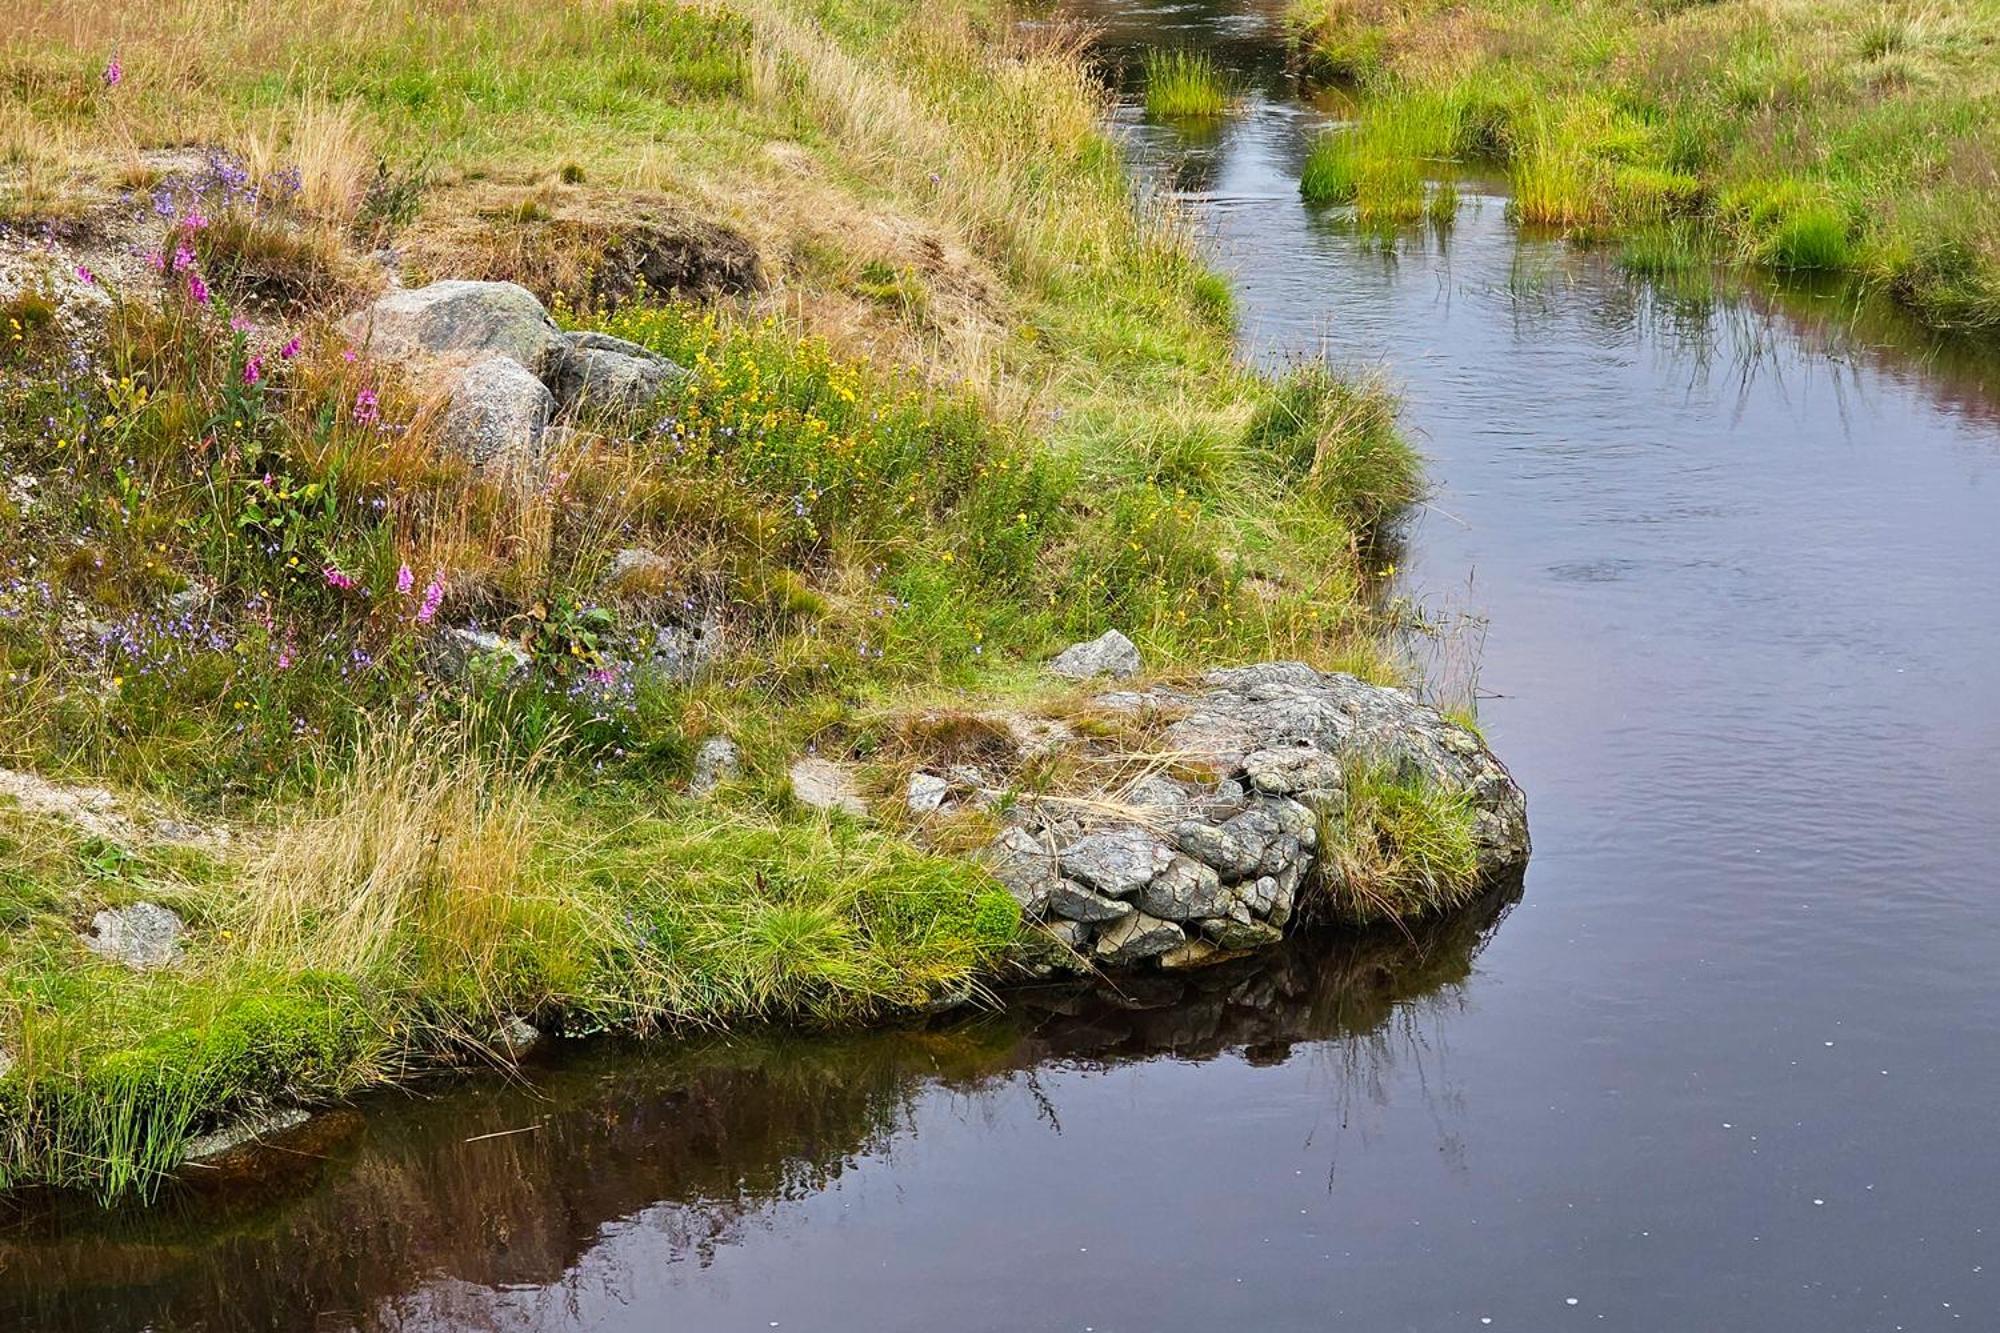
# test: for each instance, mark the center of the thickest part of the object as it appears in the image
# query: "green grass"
(1397, 847)
(992, 409)
(1844, 137)
(1184, 84)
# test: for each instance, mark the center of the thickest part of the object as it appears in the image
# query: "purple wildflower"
(253, 370)
(405, 580)
(433, 598)
(241, 324)
(83, 272)
(197, 289)
(336, 579)
(367, 411)
(290, 349)
(114, 72)
(183, 259)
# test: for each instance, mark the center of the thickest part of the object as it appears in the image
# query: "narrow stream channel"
(1731, 1062)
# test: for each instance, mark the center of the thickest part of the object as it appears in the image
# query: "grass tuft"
(1184, 84)
(1399, 846)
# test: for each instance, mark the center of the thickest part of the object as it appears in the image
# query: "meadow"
(957, 397)
(1847, 137)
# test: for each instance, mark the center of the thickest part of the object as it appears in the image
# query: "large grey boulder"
(603, 372)
(1071, 901)
(1184, 890)
(144, 936)
(458, 319)
(1110, 654)
(497, 412)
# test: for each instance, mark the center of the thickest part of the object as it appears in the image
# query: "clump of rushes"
(1381, 164)
(1184, 84)
(1398, 846)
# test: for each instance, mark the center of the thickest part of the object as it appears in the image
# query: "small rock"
(1232, 934)
(681, 653)
(1020, 860)
(636, 574)
(1116, 861)
(466, 655)
(716, 762)
(497, 413)
(1110, 654)
(1186, 889)
(825, 785)
(515, 1037)
(245, 1131)
(6, 1062)
(1070, 934)
(1159, 793)
(1136, 938)
(926, 793)
(143, 936)
(600, 371)
(458, 318)
(1282, 770)
(1217, 845)
(1197, 952)
(1073, 902)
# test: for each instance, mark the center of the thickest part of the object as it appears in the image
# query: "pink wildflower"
(197, 289)
(156, 261)
(405, 580)
(253, 370)
(290, 349)
(433, 598)
(285, 657)
(83, 272)
(336, 579)
(114, 72)
(347, 355)
(367, 411)
(195, 219)
(241, 324)
(183, 259)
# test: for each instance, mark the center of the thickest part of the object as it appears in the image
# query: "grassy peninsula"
(1847, 137)
(957, 398)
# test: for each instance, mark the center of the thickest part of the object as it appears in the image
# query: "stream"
(1726, 557)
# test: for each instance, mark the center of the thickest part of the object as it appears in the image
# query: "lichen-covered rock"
(825, 785)
(242, 1134)
(1116, 861)
(497, 413)
(1232, 934)
(515, 1037)
(458, 319)
(1184, 891)
(926, 793)
(1110, 654)
(1021, 862)
(144, 936)
(1136, 938)
(599, 371)
(463, 654)
(1073, 902)
(716, 762)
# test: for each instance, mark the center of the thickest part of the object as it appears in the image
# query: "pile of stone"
(1190, 870)
(501, 367)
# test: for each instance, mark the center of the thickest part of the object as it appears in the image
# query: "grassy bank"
(956, 399)
(1850, 137)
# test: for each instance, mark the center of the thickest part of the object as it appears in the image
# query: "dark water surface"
(1732, 1063)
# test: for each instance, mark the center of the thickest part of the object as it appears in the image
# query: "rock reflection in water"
(406, 1215)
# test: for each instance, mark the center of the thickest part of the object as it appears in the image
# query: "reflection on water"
(481, 1205)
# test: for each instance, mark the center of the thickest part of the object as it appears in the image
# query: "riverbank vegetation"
(1852, 137)
(955, 399)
